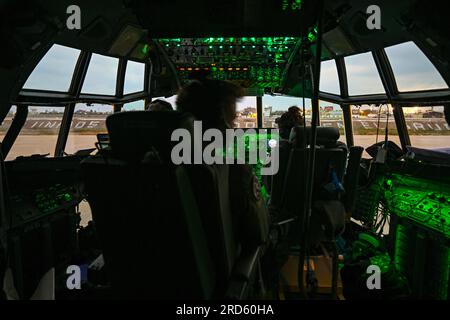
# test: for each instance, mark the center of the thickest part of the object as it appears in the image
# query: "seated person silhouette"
(288, 120)
(158, 105)
(214, 103)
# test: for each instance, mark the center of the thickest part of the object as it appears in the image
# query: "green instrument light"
(145, 49)
(312, 36)
(234, 55)
(293, 5)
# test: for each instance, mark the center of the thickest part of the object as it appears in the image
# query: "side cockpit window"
(54, 72)
(7, 122)
(39, 133)
(427, 127)
(101, 76)
(134, 77)
(362, 74)
(412, 69)
(329, 80)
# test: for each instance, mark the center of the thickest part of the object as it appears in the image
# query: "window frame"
(339, 80)
(71, 83)
(380, 94)
(392, 95)
(74, 95)
(125, 76)
(409, 143)
(16, 127)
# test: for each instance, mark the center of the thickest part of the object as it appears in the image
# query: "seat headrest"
(132, 134)
(326, 136)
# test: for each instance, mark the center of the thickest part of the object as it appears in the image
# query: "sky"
(412, 70)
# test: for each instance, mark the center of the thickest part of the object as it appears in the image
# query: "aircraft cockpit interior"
(224, 150)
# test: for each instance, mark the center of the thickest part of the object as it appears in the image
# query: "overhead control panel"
(250, 62)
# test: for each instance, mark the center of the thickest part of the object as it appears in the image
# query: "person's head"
(291, 118)
(159, 105)
(211, 101)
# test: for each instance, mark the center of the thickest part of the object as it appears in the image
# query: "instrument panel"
(248, 61)
(425, 202)
(35, 205)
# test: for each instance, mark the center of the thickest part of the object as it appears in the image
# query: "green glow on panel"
(291, 5)
(145, 49)
(251, 144)
(400, 244)
(312, 36)
(265, 41)
(382, 261)
(424, 201)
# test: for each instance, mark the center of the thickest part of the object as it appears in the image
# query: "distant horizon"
(282, 104)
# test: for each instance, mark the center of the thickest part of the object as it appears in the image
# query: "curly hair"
(291, 118)
(212, 101)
